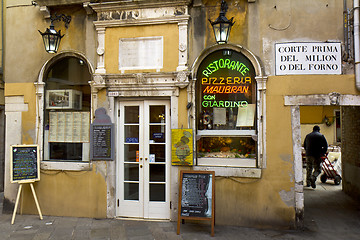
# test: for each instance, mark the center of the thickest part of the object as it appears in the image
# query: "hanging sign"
(102, 142)
(307, 58)
(24, 163)
(102, 137)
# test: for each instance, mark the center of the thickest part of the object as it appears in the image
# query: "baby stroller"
(331, 170)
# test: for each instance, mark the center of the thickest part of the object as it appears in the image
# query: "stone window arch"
(64, 106)
(254, 135)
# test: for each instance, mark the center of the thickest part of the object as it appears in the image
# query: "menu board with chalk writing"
(102, 142)
(24, 164)
(196, 192)
(197, 197)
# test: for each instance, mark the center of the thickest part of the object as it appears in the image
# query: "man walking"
(315, 145)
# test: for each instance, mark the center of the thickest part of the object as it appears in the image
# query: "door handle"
(145, 159)
(140, 166)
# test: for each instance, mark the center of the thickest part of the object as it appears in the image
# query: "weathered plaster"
(14, 106)
(288, 197)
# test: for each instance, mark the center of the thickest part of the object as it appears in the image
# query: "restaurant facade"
(175, 99)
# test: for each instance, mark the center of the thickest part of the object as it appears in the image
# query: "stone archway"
(260, 94)
(40, 89)
(309, 100)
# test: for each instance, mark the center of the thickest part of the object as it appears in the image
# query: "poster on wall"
(182, 147)
(246, 116)
(69, 127)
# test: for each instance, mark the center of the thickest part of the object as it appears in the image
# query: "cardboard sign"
(182, 147)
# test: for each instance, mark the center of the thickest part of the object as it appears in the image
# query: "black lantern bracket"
(222, 25)
(51, 37)
(61, 17)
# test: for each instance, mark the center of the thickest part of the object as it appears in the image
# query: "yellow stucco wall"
(183, 113)
(236, 9)
(170, 32)
(256, 202)
(270, 201)
(315, 115)
(28, 118)
(239, 201)
(278, 115)
(60, 193)
(68, 193)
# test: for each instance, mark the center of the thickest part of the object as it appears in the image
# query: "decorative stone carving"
(100, 51)
(180, 11)
(140, 78)
(334, 98)
(182, 47)
(119, 15)
(98, 82)
(182, 79)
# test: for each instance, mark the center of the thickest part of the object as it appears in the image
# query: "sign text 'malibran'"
(307, 58)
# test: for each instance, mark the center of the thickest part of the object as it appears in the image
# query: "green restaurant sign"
(225, 87)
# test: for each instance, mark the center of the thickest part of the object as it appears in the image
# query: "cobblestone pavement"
(329, 214)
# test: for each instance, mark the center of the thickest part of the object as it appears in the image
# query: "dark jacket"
(315, 144)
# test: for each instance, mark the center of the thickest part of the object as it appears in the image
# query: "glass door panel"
(131, 191)
(157, 192)
(157, 153)
(131, 172)
(157, 114)
(131, 152)
(157, 172)
(131, 114)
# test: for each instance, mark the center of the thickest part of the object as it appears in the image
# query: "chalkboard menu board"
(24, 164)
(196, 196)
(101, 142)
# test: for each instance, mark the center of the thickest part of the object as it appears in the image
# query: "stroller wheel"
(337, 180)
(323, 178)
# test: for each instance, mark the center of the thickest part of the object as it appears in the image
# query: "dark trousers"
(313, 168)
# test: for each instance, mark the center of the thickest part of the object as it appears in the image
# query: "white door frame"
(144, 208)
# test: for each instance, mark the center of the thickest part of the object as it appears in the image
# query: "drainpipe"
(356, 44)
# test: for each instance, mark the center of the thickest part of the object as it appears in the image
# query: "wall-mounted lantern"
(51, 37)
(222, 25)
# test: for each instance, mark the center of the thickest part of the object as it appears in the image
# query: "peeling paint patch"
(101, 168)
(288, 197)
(292, 176)
(286, 157)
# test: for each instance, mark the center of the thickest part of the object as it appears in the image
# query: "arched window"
(67, 105)
(227, 110)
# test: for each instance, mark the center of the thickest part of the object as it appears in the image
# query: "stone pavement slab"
(329, 214)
